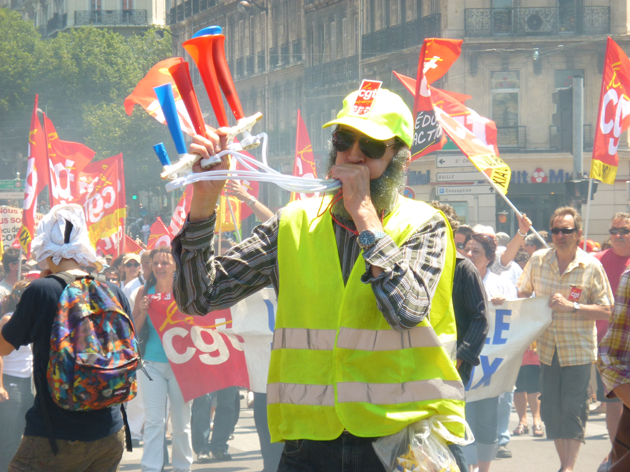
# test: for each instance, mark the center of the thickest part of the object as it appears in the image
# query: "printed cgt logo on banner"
(203, 359)
(513, 326)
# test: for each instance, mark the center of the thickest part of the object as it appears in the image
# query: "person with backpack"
(157, 381)
(84, 355)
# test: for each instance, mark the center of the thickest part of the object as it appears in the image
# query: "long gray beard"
(383, 190)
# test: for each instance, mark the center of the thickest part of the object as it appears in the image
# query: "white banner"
(10, 223)
(512, 327)
(254, 319)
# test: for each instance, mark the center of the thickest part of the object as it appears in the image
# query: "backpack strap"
(128, 442)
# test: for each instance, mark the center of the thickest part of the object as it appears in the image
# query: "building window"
(333, 40)
(566, 15)
(505, 97)
(564, 78)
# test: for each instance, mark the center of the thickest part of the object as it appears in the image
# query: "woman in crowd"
(16, 398)
(482, 414)
(160, 384)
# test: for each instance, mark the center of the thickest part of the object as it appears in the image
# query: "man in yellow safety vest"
(365, 331)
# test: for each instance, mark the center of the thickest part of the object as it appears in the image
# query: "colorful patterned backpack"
(93, 348)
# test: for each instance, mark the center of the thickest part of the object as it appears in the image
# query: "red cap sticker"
(574, 295)
(365, 98)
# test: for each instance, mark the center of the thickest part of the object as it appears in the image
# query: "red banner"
(203, 359)
(304, 160)
(613, 117)
(160, 235)
(181, 212)
(436, 57)
(131, 246)
(144, 95)
(36, 180)
(66, 160)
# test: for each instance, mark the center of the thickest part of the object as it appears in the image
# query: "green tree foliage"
(82, 77)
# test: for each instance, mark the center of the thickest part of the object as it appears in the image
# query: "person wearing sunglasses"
(615, 261)
(133, 279)
(579, 294)
(350, 269)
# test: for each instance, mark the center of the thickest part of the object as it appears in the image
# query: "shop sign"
(539, 176)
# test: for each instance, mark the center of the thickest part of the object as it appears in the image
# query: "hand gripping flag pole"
(207, 50)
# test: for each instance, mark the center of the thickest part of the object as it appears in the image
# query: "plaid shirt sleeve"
(203, 282)
(614, 351)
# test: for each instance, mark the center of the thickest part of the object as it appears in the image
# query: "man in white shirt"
(11, 264)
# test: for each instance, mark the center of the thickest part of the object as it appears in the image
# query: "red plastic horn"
(181, 76)
(200, 49)
(225, 78)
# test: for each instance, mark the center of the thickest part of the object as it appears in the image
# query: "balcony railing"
(331, 73)
(483, 22)
(401, 36)
(512, 137)
(110, 17)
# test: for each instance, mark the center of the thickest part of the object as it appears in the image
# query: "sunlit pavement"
(529, 454)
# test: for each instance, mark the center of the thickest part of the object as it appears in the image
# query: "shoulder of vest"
(308, 206)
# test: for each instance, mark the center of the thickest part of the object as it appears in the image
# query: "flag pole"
(511, 205)
(19, 274)
(236, 230)
(588, 211)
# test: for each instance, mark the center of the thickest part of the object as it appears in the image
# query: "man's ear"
(408, 160)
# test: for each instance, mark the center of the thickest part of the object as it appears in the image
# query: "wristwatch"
(576, 307)
(368, 238)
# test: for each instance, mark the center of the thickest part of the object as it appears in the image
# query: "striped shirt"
(203, 282)
(583, 281)
(614, 350)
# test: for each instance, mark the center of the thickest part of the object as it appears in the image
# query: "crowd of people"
(372, 290)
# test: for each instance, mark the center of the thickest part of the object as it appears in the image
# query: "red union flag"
(613, 117)
(203, 358)
(36, 180)
(181, 211)
(484, 129)
(304, 160)
(144, 95)
(102, 201)
(160, 235)
(436, 58)
(66, 160)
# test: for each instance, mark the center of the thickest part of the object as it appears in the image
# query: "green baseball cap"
(388, 116)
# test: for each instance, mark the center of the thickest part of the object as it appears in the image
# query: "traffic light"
(134, 197)
(578, 189)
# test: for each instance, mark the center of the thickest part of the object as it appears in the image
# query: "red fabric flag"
(304, 160)
(160, 235)
(144, 95)
(203, 358)
(181, 211)
(484, 129)
(36, 180)
(613, 117)
(131, 246)
(436, 57)
(66, 160)
(98, 183)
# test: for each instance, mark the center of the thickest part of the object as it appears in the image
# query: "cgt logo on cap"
(365, 98)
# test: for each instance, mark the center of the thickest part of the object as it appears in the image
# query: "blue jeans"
(347, 453)
(201, 409)
(503, 417)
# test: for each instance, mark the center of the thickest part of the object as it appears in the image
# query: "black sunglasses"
(132, 264)
(616, 231)
(372, 148)
(460, 245)
(563, 230)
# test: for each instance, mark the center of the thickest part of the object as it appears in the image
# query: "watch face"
(366, 238)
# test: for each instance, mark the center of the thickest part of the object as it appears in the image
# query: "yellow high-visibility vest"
(336, 363)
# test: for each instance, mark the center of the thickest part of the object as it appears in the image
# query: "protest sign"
(513, 326)
(203, 358)
(10, 223)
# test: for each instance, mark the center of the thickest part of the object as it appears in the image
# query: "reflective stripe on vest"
(376, 394)
(349, 338)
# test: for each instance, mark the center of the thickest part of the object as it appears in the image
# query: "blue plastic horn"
(162, 155)
(164, 95)
(208, 31)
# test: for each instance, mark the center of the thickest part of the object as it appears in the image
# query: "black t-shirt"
(32, 323)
